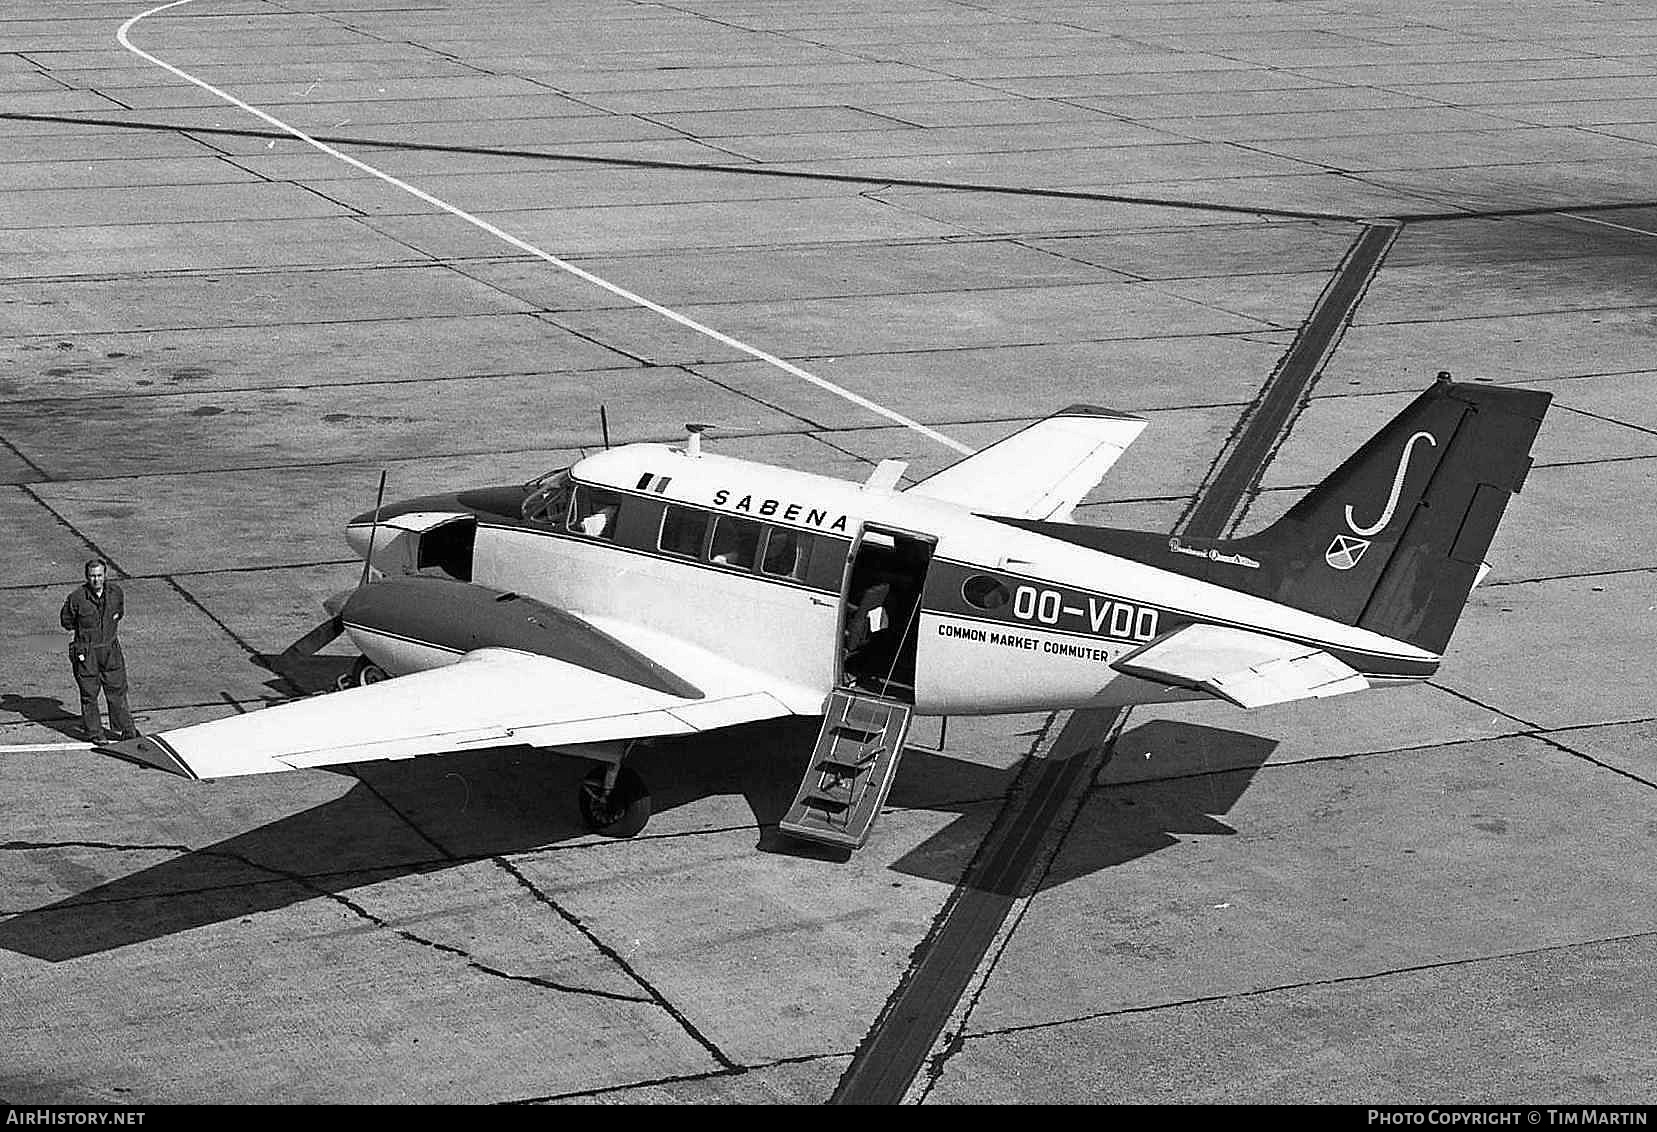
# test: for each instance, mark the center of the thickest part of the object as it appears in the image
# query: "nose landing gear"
(614, 801)
(362, 674)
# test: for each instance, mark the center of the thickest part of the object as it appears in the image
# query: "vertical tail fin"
(1394, 539)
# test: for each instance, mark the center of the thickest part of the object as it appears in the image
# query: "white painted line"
(27, 748)
(523, 245)
(1605, 223)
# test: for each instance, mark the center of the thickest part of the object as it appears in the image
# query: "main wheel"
(620, 811)
(366, 672)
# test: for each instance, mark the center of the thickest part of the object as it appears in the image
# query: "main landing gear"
(614, 801)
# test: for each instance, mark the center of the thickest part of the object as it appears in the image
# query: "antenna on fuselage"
(604, 426)
(379, 501)
(693, 442)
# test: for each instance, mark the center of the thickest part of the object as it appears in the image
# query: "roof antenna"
(368, 558)
(604, 426)
(693, 443)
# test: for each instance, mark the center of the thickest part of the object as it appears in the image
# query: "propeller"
(290, 663)
(374, 529)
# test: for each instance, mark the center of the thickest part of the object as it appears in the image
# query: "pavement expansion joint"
(405, 819)
(1608, 420)
(195, 603)
(690, 369)
(209, 573)
(1310, 984)
(1548, 738)
(1569, 576)
(309, 884)
(307, 881)
(654, 995)
(97, 551)
(45, 477)
(652, 1083)
(460, 953)
(749, 169)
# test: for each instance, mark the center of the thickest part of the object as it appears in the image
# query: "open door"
(880, 614)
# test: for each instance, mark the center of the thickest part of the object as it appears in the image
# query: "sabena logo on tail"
(1345, 551)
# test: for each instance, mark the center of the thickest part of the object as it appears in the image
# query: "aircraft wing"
(1249, 669)
(1040, 472)
(491, 697)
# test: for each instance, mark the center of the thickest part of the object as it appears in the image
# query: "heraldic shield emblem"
(1344, 552)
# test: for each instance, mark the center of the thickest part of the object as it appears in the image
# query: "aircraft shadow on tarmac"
(421, 815)
(1201, 773)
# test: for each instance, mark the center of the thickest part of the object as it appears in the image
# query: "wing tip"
(150, 751)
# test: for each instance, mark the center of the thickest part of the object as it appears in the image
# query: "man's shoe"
(93, 736)
(133, 734)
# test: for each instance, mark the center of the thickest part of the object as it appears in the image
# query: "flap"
(1041, 472)
(1249, 669)
(491, 697)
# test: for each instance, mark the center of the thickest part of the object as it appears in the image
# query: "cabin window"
(787, 553)
(684, 531)
(595, 511)
(548, 498)
(735, 542)
(985, 592)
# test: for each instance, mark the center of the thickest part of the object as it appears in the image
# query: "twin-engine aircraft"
(655, 590)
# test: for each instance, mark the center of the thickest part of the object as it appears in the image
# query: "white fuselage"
(1008, 620)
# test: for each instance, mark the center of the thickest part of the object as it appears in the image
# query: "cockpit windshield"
(547, 498)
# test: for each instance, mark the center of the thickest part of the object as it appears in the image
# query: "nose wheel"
(614, 801)
(362, 674)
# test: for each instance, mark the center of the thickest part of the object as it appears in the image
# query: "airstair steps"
(851, 769)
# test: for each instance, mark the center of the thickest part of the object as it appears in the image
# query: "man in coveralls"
(93, 613)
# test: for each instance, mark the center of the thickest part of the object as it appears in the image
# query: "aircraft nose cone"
(357, 532)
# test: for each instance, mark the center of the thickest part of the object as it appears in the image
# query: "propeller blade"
(368, 559)
(319, 637)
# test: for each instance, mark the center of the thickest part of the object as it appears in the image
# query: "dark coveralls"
(96, 657)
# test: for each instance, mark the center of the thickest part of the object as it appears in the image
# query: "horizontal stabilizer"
(1040, 472)
(1249, 669)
